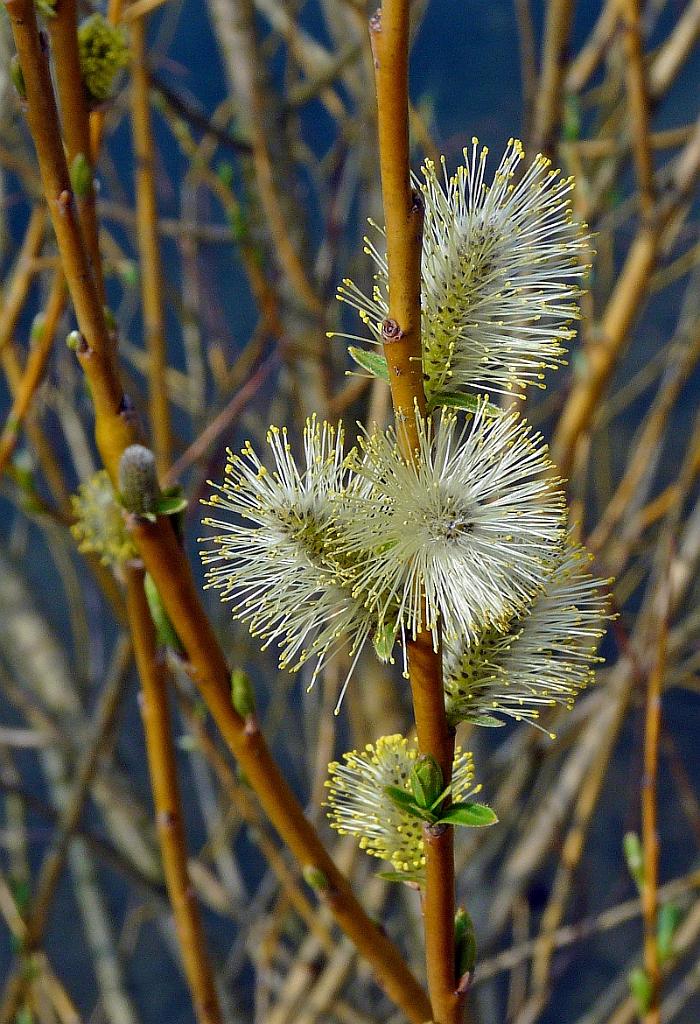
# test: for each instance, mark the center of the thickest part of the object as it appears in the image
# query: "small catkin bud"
(242, 693)
(103, 52)
(315, 878)
(75, 341)
(81, 175)
(17, 77)
(138, 480)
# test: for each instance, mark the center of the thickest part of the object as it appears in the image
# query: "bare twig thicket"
(163, 854)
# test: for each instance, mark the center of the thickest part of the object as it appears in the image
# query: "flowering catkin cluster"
(359, 804)
(468, 539)
(104, 51)
(99, 525)
(501, 269)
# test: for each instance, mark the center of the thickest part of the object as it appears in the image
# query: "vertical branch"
(149, 248)
(638, 103)
(63, 31)
(34, 369)
(403, 213)
(549, 96)
(162, 768)
(114, 430)
(650, 835)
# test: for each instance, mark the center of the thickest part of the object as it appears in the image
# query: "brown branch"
(151, 276)
(623, 305)
(591, 54)
(550, 93)
(34, 370)
(403, 216)
(162, 767)
(114, 430)
(638, 102)
(63, 32)
(650, 835)
(671, 57)
(15, 296)
(246, 807)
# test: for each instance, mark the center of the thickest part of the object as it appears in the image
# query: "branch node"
(391, 332)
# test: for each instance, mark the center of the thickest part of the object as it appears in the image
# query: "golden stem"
(149, 248)
(403, 216)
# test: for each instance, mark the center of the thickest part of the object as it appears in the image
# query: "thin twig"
(151, 276)
(162, 766)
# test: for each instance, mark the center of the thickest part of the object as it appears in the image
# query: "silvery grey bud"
(138, 480)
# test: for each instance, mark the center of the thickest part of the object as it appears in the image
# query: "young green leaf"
(407, 804)
(670, 916)
(470, 403)
(408, 877)
(465, 945)
(170, 504)
(384, 640)
(487, 721)
(635, 857)
(426, 781)
(400, 796)
(640, 987)
(165, 631)
(372, 362)
(468, 814)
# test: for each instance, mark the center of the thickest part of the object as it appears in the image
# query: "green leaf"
(469, 814)
(242, 693)
(634, 856)
(670, 916)
(399, 796)
(441, 797)
(465, 944)
(407, 877)
(426, 781)
(640, 987)
(488, 721)
(471, 403)
(165, 631)
(81, 175)
(407, 804)
(170, 505)
(384, 640)
(372, 362)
